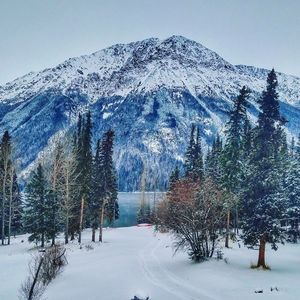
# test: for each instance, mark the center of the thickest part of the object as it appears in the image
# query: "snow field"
(136, 261)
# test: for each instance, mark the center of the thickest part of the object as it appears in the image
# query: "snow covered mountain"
(149, 91)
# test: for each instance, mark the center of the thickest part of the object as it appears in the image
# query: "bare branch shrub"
(43, 268)
(194, 212)
(32, 288)
(54, 260)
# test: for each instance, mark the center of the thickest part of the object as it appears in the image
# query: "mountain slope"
(149, 91)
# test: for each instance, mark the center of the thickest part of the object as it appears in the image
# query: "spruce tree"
(213, 163)
(35, 207)
(17, 207)
(292, 189)
(109, 176)
(199, 165)
(194, 168)
(5, 165)
(175, 175)
(233, 148)
(232, 154)
(263, 198)
(82, 149)
(97, 192)
(190, 154)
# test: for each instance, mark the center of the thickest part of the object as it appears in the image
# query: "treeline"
(71, 189)
(249, 180)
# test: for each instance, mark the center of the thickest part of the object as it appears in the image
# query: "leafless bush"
(54, 260)
(89, 247)
(32, 288)
(193, 212)
(43, 268)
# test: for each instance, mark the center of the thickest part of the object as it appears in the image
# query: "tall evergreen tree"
(213, 163)
(232, 154)
(233, 148)
(54, 197)
(194, 157)
(292, 189)
(109, 176)
(97, 192)
(5, 165)
(35, 207)
(199, 165)
(190, 154)
(175, 175)
(17, 208)
(82, 150)
(263, 198)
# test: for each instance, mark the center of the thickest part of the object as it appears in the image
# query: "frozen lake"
(129, 204)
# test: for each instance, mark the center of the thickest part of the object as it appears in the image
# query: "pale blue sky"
(35, 34)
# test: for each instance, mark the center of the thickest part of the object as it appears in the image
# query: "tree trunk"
(67, 230)
(93, 234)
(261, 254)
(81, 219)
(3, 207)
(236, 220)
(43, 240)
(101, 221)
(227, 230)
(10, 206)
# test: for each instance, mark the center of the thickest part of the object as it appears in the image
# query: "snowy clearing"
(136, 261)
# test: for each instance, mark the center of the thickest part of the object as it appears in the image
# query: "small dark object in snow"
(22, 241)
(220, 254)
(258, 291)
(42, 250)
(239, 245)
(275, 288)
(136, 298)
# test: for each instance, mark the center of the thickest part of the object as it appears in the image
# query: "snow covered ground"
(135, 261)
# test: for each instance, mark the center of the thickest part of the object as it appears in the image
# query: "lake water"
(129, 204)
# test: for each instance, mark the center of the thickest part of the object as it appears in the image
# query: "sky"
(36, 34)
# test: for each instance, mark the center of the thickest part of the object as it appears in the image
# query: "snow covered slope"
(135, 261)
(148, 91)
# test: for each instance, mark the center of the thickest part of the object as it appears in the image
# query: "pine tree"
(69, 193)
(104, 193)
(232, 154)
(5, 166)
(292, 189)
(190, 154)
(97, 192)
(54, 197)
(199, 165)
(82, 150)
(14, 207)
(74, 213)
(110, 177)
(263, 198)
(233, 148)
(213, 166)
(175, 175)
(194, 157)
(17, 207)
(35, 207)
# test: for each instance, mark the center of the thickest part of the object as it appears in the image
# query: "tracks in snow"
(164, 279)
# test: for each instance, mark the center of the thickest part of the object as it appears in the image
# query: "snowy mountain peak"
(149, 92)
(144, 66)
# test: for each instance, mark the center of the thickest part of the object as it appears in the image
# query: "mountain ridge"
(149, 92)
